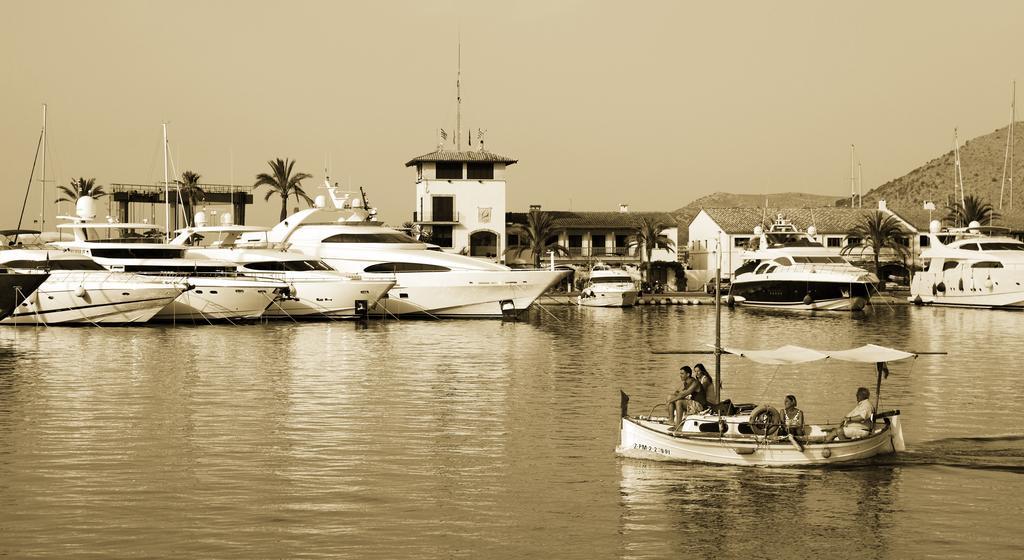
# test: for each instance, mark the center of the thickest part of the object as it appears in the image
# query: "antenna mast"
(860, 186)
(458, 101)
(42, 180)
(167, 193)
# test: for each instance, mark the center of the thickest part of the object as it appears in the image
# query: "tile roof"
(919, 217)
(567, 220)
(827, 219)
(464, 156)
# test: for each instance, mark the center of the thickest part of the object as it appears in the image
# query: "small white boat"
(80, 291)
(976, 266)
(608, 287)
(742, 438)
(314, 288)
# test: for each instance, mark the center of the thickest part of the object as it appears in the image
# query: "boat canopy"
(869, 353)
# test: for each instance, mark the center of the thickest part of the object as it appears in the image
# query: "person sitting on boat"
(690, 399)
(710, 392)
(792, 421)
(857, 423)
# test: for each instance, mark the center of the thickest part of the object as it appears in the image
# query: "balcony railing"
(431, 218)
(621, 252)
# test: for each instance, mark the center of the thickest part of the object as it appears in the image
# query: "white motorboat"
(608, 287)
(974, 266)
(80, 291)
(790, 269)
(428, 282)
(314, 288)
(217, 291)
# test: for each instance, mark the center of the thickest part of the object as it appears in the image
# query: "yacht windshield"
(386, 237)
(611, 280)
(820, 260)
(790, 240)
(290, 266)
(405, 267)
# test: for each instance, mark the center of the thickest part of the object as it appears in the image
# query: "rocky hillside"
(981, 162)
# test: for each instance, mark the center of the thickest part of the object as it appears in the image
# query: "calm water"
(482, 439)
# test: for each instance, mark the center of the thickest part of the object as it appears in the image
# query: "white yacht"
(428, 282)
(608, 287)
(217, 291)
(970, 267)
(80, 291)
(314, 288)
(792, 270)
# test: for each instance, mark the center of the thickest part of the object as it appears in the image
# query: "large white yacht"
(217, 291)
(970, 267)
(80, 291)
(428, 282)
(314, 288)
(608, 287)
(790, 269)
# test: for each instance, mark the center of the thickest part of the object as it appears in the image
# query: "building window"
(441, 236)
(852, 241)
(622, 244)
(740, 241)
(903, 240)
(476, 170)
(513, 240)
(483, 244)
(449, 170)
(834, 242)
(575, 244)
(597, 245)
(442, 209)
(925, 241)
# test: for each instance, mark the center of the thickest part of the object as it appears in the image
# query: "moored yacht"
(217, 290)
(608, 287)
(314, 288)
(81, 291)
(428, 282)
(792, 270)
(971, 267)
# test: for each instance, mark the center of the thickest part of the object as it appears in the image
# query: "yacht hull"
(15, 288)
(464, 294)
(801, 294)
(648, 438)
(222, 298)
(327, 298)
(984, 288)
(94, 298)
(609, 299)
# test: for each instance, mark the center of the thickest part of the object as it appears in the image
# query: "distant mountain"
(981, 162)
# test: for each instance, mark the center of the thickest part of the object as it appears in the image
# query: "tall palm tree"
(648, 237)
(878, 231)
(284, 183)
(538, 232)
(973, 209)
(191, 193)
(78, 188)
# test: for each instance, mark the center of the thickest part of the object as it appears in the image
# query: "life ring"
(765, 420)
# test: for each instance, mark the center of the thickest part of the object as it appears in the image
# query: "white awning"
(869, 353)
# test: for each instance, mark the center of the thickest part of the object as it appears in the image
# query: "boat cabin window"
(762, 268)
(790, 240)
(386, 237)
(987, 264)
(820, 260)
(784, 261)
(969, 246)
(136, 253)
(290, 266)
(405, 267)
(746, 267)
(611, 280)
(949, 265)
(179, 269)
(63, 264)
(1002, 246)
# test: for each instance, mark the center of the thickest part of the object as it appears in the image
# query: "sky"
(651, 104)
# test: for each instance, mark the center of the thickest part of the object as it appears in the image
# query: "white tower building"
(460, 199)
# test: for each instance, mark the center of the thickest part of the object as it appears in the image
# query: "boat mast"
(458, 102)
(718, 319)
(42, 179)
(853, 178)
(1008, 156)
(958, 174)
(167, 193)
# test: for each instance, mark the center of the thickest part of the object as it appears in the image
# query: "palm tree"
(973, 209)
(540, 237)
(78, 188)
(878, 231)
(190, 192)
(648, 237)
(284, 183)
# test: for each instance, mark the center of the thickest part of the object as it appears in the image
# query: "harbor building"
(460, 199)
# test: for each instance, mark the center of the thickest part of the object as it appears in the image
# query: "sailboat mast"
(860, 186)
(458, 102)
(718, 320)
(1013, 117)
(42, 179)
(167, 193)
(853, 179)
(958, 175)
